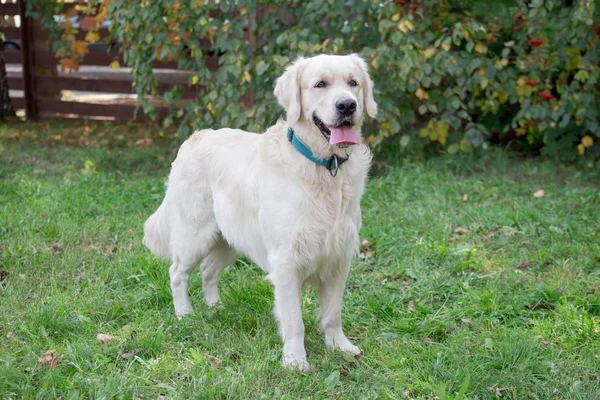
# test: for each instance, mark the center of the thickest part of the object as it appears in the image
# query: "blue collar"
(331, 164)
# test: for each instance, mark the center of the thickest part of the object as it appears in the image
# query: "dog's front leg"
(330, 293)
(288, 311)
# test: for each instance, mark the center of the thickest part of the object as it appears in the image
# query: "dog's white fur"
(231, 192)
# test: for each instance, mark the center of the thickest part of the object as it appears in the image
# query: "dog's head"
(329, 92)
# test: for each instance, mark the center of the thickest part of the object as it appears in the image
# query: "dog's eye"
(352, 83)
(321, 84)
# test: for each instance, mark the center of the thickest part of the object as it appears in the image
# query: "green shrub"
(458, 74)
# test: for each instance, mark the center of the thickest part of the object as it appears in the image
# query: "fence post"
(27, 59)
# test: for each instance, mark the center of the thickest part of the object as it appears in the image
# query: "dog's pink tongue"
(342, 135)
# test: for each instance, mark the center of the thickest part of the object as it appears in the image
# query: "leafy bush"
(458, 74)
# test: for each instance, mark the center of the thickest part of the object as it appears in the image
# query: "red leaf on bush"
(533, 84)
(536, 42)
(596, 29)
(88, 23)
(517, 27)
(519, 17)
(546, 96)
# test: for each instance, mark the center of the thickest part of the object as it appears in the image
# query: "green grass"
(433, 310)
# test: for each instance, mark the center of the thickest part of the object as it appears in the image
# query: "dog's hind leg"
(190, 244)
(180, 273)
(218, 257)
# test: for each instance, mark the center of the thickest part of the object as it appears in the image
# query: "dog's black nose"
(346, 106)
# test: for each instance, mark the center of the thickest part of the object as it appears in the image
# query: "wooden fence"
(35, 58)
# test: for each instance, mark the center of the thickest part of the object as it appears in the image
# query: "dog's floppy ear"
(287, 91)
(370, 104)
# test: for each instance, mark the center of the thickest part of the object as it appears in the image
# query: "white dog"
(289, 199)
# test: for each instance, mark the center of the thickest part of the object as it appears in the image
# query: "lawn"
(471, 280)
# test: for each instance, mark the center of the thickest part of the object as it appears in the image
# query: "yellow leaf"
(423, 133)
(587, 141)
(402, 27)
(442, 132)
(409, 24)
(520, 131)
(482, 72)
(210, 108)
(92, 37)
(246, 77)
(395, 17)
(433, 135)
(466, 35)
(581, 149)
(446, 45)
(374, 63)
(590, 164)
(479, 48)
(464, 146)
(484, 83)
(115, 65)
(385, 125)
(194, 79)
(421, 94)
(461, 229)
(429, 52)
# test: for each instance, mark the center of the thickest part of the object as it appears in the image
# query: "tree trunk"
(6, 107)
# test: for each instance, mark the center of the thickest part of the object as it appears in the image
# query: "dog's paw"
(296, 364)
(343, 344)
(183, 311)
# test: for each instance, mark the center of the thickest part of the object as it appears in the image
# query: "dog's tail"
(157, 233)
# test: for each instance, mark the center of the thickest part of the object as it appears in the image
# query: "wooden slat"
(120, 112)
(83, 84)
(98, 58)
(18, 103)
(86, 84)
(11, 32)
(9, 9)
(12, 56)
(16, 84)
(96, 85)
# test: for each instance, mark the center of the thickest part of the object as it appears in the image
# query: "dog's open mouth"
(340, 135)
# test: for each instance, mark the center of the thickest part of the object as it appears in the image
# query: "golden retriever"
(289, 199)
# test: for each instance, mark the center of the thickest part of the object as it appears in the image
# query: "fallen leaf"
(103, 338)
(3, 274)
(558, 364)
(539, 193)
(343, 370)
(365, 245)
(143, 142)
(214, 361)
(234, 357)
(465, 197)
(517, 283)
(427, 340)
(411, 306)
(128, 354)
(465, 320)
(461, 229)
(48, 359)
(524, 264)
(540, 306)
(498, 391)
(595, 289)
